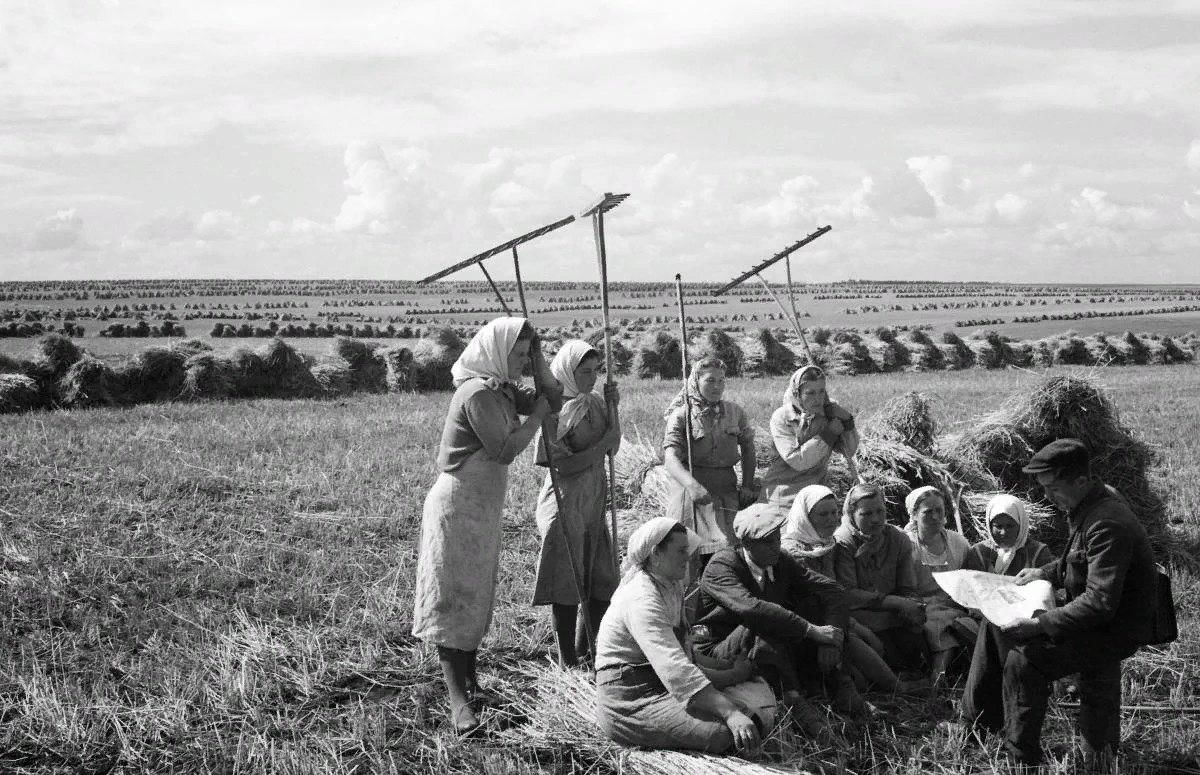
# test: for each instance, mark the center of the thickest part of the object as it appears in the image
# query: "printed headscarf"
(791, 394)
(799, 527)
(701, 407)
(1004, 503)
(575, 404)
(864, 544)
(486, 355)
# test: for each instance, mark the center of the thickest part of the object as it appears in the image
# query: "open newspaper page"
(999, 599)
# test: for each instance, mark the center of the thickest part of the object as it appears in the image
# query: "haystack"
(208, 376)
(153, 374)
(766, 356)
(957, 354)
(1000, 443)
(55, 354)
(19, 393)
(432, 358)
(853, 357)
(1167, 351)
(89, 382)
(925, 354)
(286, 371)
(1103, 352)
(1136, 351)
(1072, 351)
(400, 368)
(250, 376)
(658, 357)
(10, 365)
(1042, 353)
(622, 356)
(718, 344)
(889, 355)
(907, 419)
(368, 371)
(334, 378)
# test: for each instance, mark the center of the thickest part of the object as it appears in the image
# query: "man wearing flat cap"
(758, 601)
(1108, 578)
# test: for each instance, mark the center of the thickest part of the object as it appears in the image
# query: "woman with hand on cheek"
(580, 438)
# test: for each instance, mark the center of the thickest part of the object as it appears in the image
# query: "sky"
(1045, 141)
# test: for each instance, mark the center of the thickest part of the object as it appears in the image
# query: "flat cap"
(758, 521)
(1058, 455)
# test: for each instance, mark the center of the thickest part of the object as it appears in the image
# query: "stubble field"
(226, 587)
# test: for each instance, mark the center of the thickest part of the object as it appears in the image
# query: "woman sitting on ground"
(721, 437)
(576, 548)
(1008, 549)
(649, 693)
(873, 561)
(935, 549)
(806, 430)
(808, 537)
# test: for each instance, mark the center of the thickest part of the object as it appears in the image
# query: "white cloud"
(1012, 208)
(387, 190)
(1193, 156)
(64, 229)
(217, 225)
(252, 201)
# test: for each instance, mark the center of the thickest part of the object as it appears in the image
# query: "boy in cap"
(1107, 575)
(791, 621)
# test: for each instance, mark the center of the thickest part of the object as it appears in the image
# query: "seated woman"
(935, 549)
(806, 430)
(649, 693)
(1007, 550)
(873, 561)
(721, 438)
(808, 537)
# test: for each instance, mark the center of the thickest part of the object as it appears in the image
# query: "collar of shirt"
(761, 575)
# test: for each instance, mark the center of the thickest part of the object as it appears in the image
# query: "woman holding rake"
(580, 439)
(459, 554)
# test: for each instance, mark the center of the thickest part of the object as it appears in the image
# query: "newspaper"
(999, 599)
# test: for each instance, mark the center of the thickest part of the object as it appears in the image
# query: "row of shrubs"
(60, 374)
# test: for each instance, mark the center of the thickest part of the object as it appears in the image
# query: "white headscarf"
(575, 404)
(1013, 507)
(486, 355)
(800, 528)
(642, 543)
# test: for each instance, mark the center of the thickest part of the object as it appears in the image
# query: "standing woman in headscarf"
(873, 561)
(1008, 548)
(806, 431)
(460, 530)
(935, 549)
(808, 536)
(581, 437)
(721, 437)
(649, 692)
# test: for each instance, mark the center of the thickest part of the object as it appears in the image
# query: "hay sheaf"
(718, 344)
(19, 393)
(560, 716)
(153, 374)
(908, 419)
(1062, 406)
(208, 376)
(368, 370)
(55, 355)
(286, 372)
(335, 378)
(766, 356)
(432, 358)
(400, 369)
(659, 357)
(622, 356)
(89, 382)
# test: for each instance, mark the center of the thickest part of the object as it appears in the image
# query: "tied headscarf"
(914, 499)
(791, 394)
(1013, 507)
(575, 404)
(799, 527)
(866, 545)
(642, 543)
(486, 355)
(690, 394)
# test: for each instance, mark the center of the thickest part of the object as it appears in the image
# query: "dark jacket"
(1107, 572)
(730, 597)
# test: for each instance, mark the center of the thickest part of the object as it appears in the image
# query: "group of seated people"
(811, 602)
